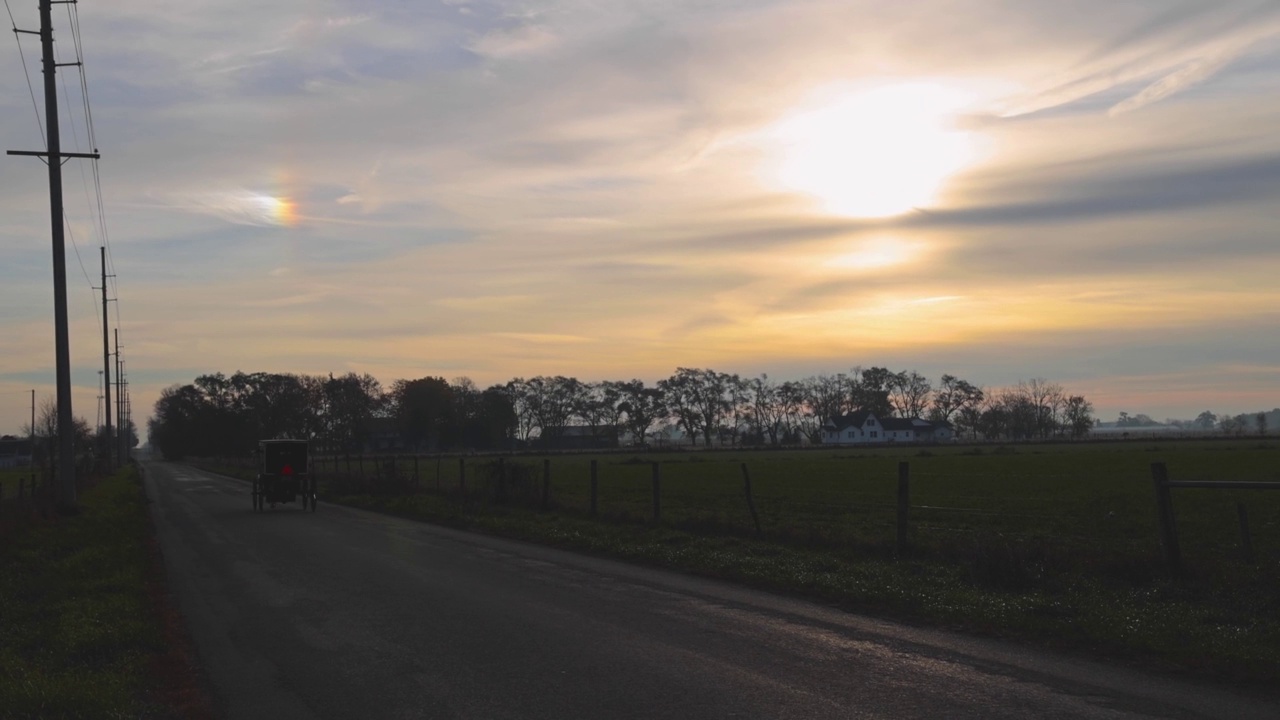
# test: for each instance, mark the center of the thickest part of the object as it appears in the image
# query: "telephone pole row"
(54, 157)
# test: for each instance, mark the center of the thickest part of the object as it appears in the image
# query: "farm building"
(864, 427)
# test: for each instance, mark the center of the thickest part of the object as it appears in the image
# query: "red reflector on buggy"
(286, 470)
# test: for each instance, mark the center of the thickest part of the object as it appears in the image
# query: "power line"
(18, 38)
(73, 18)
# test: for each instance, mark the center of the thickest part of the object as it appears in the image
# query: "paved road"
(349, 614)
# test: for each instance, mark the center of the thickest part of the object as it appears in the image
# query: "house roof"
(853, 419)
(898, 424)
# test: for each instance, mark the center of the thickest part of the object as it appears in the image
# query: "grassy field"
(1096, 499)
(9, 479)
(1052, 543)
(81, 632)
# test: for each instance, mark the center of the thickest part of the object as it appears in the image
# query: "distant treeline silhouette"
(221, 415)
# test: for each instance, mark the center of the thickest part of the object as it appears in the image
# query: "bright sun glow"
(874, 254)
(875, 153)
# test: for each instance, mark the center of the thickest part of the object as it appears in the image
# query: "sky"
(1078, 190)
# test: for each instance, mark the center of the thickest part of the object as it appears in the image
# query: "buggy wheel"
(313, 502)
(254, 494)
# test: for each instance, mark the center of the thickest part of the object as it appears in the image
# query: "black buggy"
(284, 476)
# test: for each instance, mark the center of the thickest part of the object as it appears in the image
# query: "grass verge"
(88, 629)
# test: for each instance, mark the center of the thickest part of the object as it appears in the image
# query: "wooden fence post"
(595, 479)
(462, 475)
(657, 493)
(1168, 525)
(546, 484)
(439, 459)
(417, 479)
(1246, 541)
(904, 500)
(751, 504)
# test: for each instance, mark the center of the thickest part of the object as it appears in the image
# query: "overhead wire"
(73, 18)
(17, 36)
(66, 221)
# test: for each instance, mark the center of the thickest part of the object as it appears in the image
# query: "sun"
(873, 153)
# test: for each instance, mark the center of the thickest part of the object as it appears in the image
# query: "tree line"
(221, 415)
(90, 446)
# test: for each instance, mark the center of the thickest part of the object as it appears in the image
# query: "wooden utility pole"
(107, 438)
(53, 155)
(119, 401)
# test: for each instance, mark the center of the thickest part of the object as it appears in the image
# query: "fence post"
(1168, 525)
(904, 499)
(595, 478)
(417, 479)
(657, 493)
(751, 504)
(546, 484)
(462, 475)
(1246, 541)
(22, 489)
(439, 459)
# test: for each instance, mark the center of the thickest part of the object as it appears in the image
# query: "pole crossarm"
(41, 153)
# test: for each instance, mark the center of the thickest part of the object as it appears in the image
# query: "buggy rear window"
(277, 455)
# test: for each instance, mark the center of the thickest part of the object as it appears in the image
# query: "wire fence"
(1024, 509)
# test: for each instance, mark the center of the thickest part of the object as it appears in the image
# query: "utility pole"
(106, 362)
(128, 413)
(119, 399)
(97, 419)
(66, 482)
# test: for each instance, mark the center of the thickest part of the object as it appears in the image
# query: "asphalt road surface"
(350, 614)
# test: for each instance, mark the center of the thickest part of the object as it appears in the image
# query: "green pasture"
(1086, 504)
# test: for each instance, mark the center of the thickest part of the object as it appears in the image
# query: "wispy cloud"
(575, 186)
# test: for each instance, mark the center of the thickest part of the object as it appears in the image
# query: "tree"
(1232, 425)
(422, 408)
(1078, 415)
(869, 390)
(909, 393)
(699, 399)
(1206, 420)
(47, 431)
(957, 400)
(828, 397)
(767, 410)
(1261, 420)
(794, 412)
(643, 408)
(351, 402)
(1046, 398)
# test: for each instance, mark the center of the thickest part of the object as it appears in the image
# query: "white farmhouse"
(864, 427)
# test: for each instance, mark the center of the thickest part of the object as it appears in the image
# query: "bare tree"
(909, 393)
(1078, 415)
